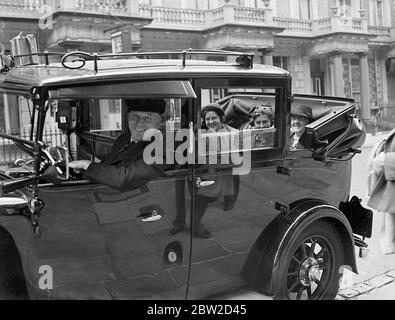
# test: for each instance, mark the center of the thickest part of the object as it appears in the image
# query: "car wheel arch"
(11, 268)
(262, 261)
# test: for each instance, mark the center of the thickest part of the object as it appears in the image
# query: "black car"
(279, 221)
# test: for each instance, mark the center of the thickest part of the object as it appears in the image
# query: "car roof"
(55, 74)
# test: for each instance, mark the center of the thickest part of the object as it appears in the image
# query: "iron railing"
(9, 152)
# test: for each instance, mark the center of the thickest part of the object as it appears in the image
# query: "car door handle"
(150, 216)
(204, 183)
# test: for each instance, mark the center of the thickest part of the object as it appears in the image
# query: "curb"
(366, 286)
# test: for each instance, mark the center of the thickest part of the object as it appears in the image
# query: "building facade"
(331, 47)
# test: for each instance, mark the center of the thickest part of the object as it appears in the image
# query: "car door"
(334, 134)
(106, 244)
(235, 202)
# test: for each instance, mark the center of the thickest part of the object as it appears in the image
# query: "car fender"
(20, 231)
(263, 261)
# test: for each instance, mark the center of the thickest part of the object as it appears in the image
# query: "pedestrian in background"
(381, 189)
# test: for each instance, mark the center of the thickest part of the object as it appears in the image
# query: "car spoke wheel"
(308, 271)
(309, 266)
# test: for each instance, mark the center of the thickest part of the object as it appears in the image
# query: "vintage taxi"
(291, 230)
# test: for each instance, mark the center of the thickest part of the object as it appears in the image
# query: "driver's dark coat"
(124, 167)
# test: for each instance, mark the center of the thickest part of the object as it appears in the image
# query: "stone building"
(331, 47)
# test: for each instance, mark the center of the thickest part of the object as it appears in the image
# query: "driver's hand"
(80, 164)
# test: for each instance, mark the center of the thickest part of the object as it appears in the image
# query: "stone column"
(67, 4)
(6, 114)
(384, 82)
(338, 75)
(132, 7)
(267, 56)
(365, 94)
(307, 75)
(268, 59)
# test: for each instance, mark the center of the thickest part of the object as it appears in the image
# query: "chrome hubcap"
(309, 272)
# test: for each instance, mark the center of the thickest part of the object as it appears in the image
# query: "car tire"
(310, 267)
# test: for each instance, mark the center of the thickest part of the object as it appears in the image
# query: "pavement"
(376, 277)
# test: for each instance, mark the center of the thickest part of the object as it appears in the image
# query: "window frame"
(282, 109)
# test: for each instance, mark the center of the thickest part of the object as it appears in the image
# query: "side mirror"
(12, 203)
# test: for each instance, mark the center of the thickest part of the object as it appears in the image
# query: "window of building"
(248, 3)
(352, 79)
(171, 3)
(281, 62)
(282, 8)
(345, 8)
(305, 9)
(379, 12)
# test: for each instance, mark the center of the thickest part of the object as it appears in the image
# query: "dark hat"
(265, 109)
(215, 107)
(304, 111)
(146, 105)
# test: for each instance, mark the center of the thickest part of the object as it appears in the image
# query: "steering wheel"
(30, 150)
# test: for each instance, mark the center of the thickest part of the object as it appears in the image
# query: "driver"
(124, 167)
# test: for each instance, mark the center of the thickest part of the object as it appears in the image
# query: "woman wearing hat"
(213, 120)
(301, 116)
(261, 117)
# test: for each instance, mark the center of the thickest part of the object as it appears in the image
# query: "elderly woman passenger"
(301, 116)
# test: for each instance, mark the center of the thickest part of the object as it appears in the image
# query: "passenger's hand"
(378, 163)
(80, 164)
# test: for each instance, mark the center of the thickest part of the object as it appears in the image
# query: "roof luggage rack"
(245, 60)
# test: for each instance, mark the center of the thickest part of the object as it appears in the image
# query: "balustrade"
(380, 31)
(173, 16)
(294, 25)
(218, 15)
(22, 6)
(249, 15)
(111, 6)
(325, 25)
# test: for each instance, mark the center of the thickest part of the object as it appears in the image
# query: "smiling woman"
(301, 116)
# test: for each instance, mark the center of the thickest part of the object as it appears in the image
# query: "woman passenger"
(261, 117)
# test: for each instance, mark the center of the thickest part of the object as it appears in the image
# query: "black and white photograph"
(212, 151)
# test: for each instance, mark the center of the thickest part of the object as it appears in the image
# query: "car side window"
(108, 119)
(238, 119)
(105, 116)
